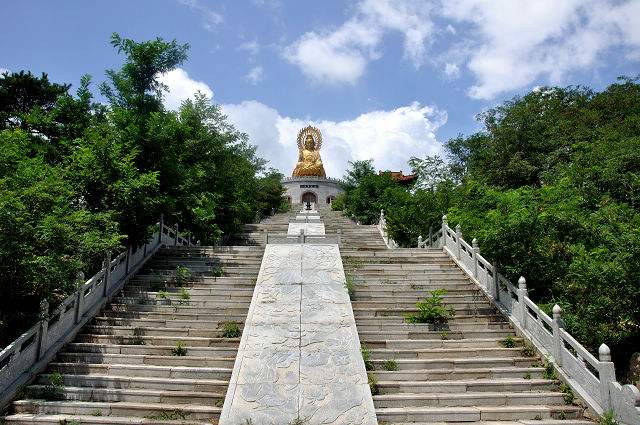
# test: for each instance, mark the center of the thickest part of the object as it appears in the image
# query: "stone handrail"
(382, 227)
(29, 354)
(592, 378)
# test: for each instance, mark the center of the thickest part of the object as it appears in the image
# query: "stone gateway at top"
(309, 182)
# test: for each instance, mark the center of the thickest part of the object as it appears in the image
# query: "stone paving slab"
(299, 355)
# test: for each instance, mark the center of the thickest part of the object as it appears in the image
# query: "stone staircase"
(158, 353)
(471, 369)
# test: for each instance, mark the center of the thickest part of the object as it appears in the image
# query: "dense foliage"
(551, 190)
(78, 178)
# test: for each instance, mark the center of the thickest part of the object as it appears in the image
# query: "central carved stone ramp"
(125, 366)
(453, 373)
(299, 360)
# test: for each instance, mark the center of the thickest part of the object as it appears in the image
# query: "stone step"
(139, 382)
(166, 322)
(146, 359)
(417, 344)
(142, 370)
(399, 320)
(155, 331)
(474, 414)
(452, 326)
(198, 290)
(149, 350)
(486, 372)
(169, 315)
(467, 385)
(157, 340)
(192, 411)
(508, 422)
(459, 309)
(443, 353)
(468, 399)
(133, 395)
(45, 419)
(458, 363)
(184, 308)
(443, 333)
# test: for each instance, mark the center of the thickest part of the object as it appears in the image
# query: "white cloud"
(181, 87)
(3, 70)
(451, 70)
(255, 75)
(252, 47)
(210, 18)
(516, 43)
(340, 55)
(387, 137)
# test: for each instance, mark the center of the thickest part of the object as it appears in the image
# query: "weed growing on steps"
(350, 285)
(54, 388)
(527, 376)
(608, 418)
(157, 283)
(562, 416)
(179, 350)
(444, 335)
(549, 371)
(184, 296)
(390, 365)
(528, 351)
(432, 309)
(69, 422)
(137, 339)
(163, 295)
(230, 330)
(508, 342)
(366, 357)
(373, 383)
(183, 275)
(217, 270)
(567, 393)
(299, 421)
(171, 415)
(96, 412)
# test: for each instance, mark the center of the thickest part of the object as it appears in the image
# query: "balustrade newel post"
(44, 327)
(126, 265)
(474, 253)
(107, 273)
(606, 375)
(458, 244)
(430, 237)
(522, 305)
(175, 242)
(444, 230)
(495, 289)
(420, 241)
(161, 228)
(556, 325)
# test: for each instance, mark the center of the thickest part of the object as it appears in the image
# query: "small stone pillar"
(458, 244)
(177, 230)
(420, 245)
(606, 374)
(474, 254)
(106, 278)
(522, 306)
(161, 228)
(43, 329)
(556, 325)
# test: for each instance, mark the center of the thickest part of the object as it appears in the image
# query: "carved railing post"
(606, 374)
(175, 242)
(556, 325)
(458, 243)
(44, 327)
(107, 274)
(161, 226)
(126, 265)
(80, 280)
(420, 245)
(522, 306)
(474, 253)
(430, 237)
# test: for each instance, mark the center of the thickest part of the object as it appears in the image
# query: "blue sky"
(383, 79)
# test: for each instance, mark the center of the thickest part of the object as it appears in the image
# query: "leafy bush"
(231, 330)
(608, 418)
(184, 296)
(390, 365)
(349, 284)
(163, 295)
(217, 270)
(366, 357)
(179, 350)
(182, 276)
(432, 309)
(373, 383)
(508, 342)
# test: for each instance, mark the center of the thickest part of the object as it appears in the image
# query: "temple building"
(309, 182)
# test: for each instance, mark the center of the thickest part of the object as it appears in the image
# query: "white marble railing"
(29, 353)
(592, 378)
(382, 227)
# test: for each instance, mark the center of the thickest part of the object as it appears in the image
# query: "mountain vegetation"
(80, 177)
(551, 189)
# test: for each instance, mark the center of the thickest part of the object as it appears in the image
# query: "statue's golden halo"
(315, 135)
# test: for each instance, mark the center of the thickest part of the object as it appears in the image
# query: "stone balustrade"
(29, 354)
(590, 377)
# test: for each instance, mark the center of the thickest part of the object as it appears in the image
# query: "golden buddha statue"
(309, 162)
